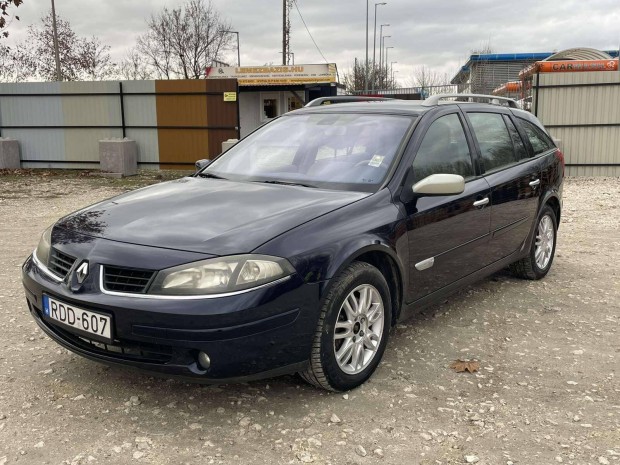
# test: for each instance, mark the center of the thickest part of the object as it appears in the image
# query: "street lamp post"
(374, 45)
(381, 42)
(238, 50)
(392, 72)
(366, 68)
(386, 59)
(381, 56)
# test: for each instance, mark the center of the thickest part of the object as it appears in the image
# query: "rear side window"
(493, 139)
(519, 146)
(443, 150)
(540, 141)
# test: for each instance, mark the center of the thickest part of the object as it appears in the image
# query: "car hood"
(211, 216)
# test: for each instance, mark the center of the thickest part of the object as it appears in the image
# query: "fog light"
(203, 360)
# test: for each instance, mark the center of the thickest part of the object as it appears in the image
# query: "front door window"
(443, 150)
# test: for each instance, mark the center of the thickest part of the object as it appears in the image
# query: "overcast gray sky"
(439, 34)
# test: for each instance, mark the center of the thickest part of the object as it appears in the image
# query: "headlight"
(221, 275)
(45, 244)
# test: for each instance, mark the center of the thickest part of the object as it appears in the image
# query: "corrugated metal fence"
(174, 123)
(583, 111)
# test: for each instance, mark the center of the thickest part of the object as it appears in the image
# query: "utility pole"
(56, 52)
(286, 31)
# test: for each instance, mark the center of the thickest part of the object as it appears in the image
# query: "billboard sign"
(276, 75)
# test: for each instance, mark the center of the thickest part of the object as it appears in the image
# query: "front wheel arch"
(325, 368)
(387, 262)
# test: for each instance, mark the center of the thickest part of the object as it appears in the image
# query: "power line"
(309, 33)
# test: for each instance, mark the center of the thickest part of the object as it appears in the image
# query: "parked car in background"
(301, 246)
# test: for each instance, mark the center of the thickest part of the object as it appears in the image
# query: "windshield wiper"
(209, 175)
(287, 183)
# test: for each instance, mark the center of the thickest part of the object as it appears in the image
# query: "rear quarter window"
(540, 141)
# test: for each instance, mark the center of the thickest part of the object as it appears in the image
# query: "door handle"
(535, 182)
(481, 202)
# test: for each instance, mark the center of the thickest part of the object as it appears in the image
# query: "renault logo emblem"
(82, 272)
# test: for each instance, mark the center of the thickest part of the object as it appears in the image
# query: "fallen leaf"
(465, 365)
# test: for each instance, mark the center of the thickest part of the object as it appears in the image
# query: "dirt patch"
(547, 390)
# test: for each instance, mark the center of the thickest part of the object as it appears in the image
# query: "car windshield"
(332, 151)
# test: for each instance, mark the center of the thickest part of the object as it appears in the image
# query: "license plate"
(84, 321)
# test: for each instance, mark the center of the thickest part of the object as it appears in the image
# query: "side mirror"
(440, 184)
(200, 164)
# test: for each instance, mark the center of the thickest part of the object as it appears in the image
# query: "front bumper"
(261, 333)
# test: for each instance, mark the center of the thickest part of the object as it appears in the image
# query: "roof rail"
(344, 99)
(492, 99)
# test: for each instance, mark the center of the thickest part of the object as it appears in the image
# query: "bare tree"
(135, 66)
(354, 78)
(39, 49)
(8, 66)
(95, 61)
(4, 14)
(80, 58)
(431, 82)
(184, 42)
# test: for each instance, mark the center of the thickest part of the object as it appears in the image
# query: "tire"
(529, 267)
(357, 332)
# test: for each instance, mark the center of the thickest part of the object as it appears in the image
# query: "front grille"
(150, 353)
(141, 352)
(130, 280)
(60, 263)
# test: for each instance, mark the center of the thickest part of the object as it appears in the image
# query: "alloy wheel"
(545, 238)
(359, 329)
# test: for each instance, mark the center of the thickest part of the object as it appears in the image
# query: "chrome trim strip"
(182, 297)
(44, 268)
(499, 231)
(425, 264)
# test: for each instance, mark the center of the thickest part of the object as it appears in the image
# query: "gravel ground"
(548, 390)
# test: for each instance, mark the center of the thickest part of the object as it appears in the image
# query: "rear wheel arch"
(543, 241)
(554, 203)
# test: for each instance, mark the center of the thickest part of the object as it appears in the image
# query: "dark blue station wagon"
(300, 247)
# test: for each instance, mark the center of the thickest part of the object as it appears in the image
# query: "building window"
(270, 108)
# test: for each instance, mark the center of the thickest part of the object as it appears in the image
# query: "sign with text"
(276, 75)
(577, 65)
